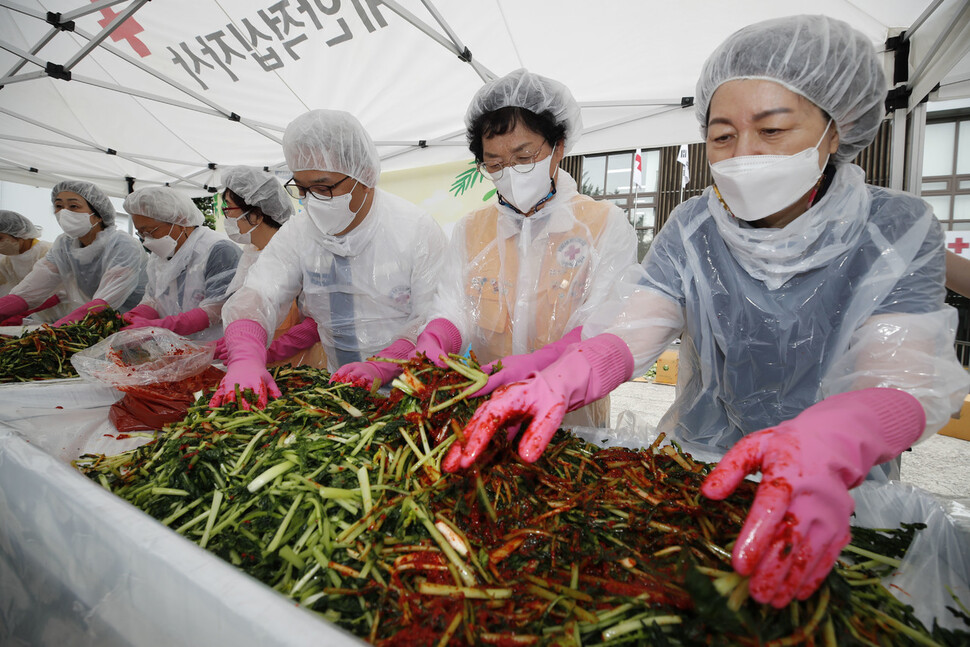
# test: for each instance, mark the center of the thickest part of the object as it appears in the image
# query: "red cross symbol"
(125, 31)
(958, 245)
(572, 252)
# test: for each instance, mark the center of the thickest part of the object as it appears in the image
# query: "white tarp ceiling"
(163, 91)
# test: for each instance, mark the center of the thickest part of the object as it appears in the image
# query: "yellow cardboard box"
(959, 425)
(667, 367)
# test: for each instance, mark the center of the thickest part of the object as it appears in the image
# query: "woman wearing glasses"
(527, 271)
(256, 206)
(361, 262)
(190, 267)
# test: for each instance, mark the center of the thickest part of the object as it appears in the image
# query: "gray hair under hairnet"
(535, 93)
(95, 197)
(13, 224)
(261, 189)
(825, 60)
(164, 204)
(334, 141)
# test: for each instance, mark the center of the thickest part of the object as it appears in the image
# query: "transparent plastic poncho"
(198, 276)
(364, 290)
(111, 268)
(860, 305)
(512, 284)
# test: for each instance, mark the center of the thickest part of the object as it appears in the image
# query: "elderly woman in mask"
(365, 261)
(256, 206)
(527, 272)
(92, 263)
(816, 343)
(190, 268)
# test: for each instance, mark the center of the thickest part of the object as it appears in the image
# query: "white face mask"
(232, 230)
(10, 247)
(757, 186)
(331, 216)
(525, 190)
(163, 247)
(74, 223)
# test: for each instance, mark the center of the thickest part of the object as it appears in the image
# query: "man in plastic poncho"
(527, 272)
(816, 341)
(366, 261)
(190, 268)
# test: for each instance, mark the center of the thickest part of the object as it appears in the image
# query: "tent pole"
(104, 33)
(27, 11)
(897, 165)
(33, 50)
(917, 136)
(88, 9)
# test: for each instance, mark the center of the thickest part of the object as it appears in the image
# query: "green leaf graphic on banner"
(467, 179)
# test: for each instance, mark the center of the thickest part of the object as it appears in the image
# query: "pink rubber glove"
(439, 337)
(364, 373)
(184, 323)
(50, 303)
(799, 521)
(80, 313)
(516, 368)
(297, 338)
(583, 374)
(140, 311)
(221, 352)
(11, 305)
(246, 341)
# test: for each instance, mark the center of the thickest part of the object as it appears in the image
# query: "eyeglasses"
(145, 234)
(523, 162)
(318, 191)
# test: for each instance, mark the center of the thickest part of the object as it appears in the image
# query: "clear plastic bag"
(142, 356)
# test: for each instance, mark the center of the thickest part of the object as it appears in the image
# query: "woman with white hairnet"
(810, 305)
(21, 248)
(256, 206)
(92, 263)
(528, 271)
(190, 268)
(365, 261)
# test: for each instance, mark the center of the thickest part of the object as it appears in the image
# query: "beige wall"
(437, 190)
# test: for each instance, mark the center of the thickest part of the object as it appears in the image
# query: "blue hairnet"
(13, 224)
(535, 93)
(823, 59)
(333, 141)
(259, 189)
(164, 204)
(95, 197)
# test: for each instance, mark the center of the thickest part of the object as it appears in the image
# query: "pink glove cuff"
(244, 330)
(610, 362)
(304, 334)
(449, 338)
(142, 310)
(896, 416)
(400, 349)
(193, 321)
(12, 304)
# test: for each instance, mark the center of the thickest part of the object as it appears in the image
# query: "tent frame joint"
(898, 98)
(56, 71)
(54, 20)
(686, 102)
(465, 56)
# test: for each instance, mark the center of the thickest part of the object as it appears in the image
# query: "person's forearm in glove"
(297, 338)
(518, 367)
(80, 313)
(140, 311)
(11, 305)
(586, 372)
(184, 323)
(18, 319)
(799, 521)
(364, 374)
(439, 337)
(246, 366)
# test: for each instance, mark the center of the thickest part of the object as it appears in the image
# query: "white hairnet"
(331, 140)
(535, 93)
(164, 204)
(823, 59)
(13, 224)
(95, 197)
(261, 189)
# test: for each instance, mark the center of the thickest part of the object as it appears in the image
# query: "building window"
(946, 171)
(610, 177)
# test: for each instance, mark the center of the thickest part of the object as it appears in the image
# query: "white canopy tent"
(130, 93)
